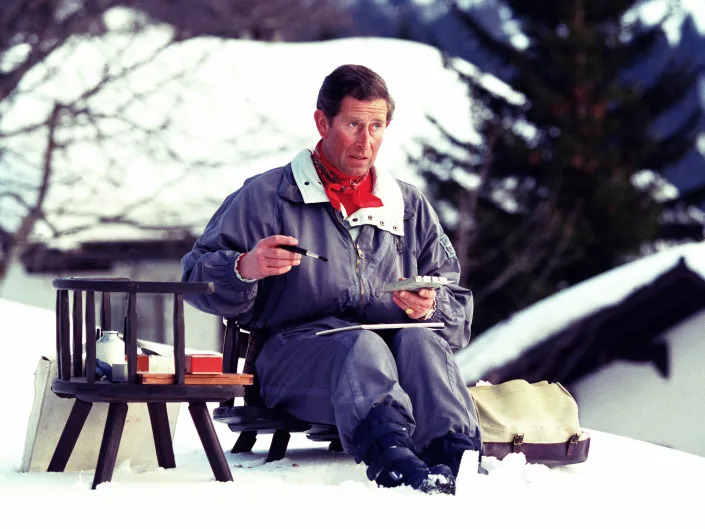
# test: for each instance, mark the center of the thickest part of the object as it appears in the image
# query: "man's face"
(352, 140)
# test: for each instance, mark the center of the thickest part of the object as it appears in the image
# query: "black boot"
(448, 450)
(383, 442)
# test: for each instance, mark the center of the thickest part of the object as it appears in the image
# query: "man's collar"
(389, 217)
(307, 179)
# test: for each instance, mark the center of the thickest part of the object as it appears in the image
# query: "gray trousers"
(336, 379)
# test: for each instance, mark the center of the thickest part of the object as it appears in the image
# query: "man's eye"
(353, 124)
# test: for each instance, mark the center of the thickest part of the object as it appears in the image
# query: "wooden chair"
(86, 389)
(254, 417)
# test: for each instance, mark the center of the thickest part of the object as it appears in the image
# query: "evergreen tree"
(566, 182)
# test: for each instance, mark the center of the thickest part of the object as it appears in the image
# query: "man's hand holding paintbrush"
(272, 256)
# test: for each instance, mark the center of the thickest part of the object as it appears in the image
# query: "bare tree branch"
(36, 210)
(17, 198)
(36, 34)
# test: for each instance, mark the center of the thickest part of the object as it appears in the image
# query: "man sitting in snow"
(396, 396)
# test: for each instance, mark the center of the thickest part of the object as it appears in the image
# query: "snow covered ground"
(623, 482)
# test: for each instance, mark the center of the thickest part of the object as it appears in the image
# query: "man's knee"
(418, 342)
(366, 348)
(368, 365)
(412, 335)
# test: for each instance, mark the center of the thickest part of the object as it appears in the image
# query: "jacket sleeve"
(233, 230)
(454, 304)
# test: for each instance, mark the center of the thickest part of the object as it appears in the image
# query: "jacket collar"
(389, 217)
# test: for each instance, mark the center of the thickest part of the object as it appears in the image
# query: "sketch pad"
(382, 326)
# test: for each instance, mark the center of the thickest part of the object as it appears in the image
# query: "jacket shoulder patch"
(447, 246)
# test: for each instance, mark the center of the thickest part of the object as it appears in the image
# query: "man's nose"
(363, 136)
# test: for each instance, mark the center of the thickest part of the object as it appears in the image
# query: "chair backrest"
(241, 342)
(69, 322)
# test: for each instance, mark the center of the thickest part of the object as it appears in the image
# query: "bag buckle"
(517, 442)
(572, 444)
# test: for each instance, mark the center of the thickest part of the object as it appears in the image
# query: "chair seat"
(103, 391)
(323, 432)
(268, 420)
(257, 418)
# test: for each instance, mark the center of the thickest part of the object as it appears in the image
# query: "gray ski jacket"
(403, 238)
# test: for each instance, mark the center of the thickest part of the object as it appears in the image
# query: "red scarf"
(352, 192)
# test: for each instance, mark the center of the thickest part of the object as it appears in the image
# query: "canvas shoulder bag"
(539, 420)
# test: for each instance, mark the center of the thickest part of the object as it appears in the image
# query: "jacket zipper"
(358, 262)
(358, 259)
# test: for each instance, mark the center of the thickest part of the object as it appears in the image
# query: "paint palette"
(417, 282)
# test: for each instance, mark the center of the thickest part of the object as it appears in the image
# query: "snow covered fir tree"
(565, 182)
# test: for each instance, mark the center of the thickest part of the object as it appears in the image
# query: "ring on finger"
(409, 310)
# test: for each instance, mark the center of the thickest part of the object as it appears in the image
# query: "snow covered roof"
(230, 110)
(560, 336)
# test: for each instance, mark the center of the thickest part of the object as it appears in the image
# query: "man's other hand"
(417, 304)
(265, 259)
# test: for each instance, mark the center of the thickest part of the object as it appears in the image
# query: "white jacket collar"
(389, 217)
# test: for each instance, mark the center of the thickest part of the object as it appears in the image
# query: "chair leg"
(69, 436)
(109, 446)
(209, 440)
(245, 442)
(277, 450)
(162, 434)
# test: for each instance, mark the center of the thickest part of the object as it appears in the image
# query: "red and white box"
(155, 364)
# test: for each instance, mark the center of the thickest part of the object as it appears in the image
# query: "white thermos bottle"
(110, 348)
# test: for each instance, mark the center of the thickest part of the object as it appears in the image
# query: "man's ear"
(321, 122)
